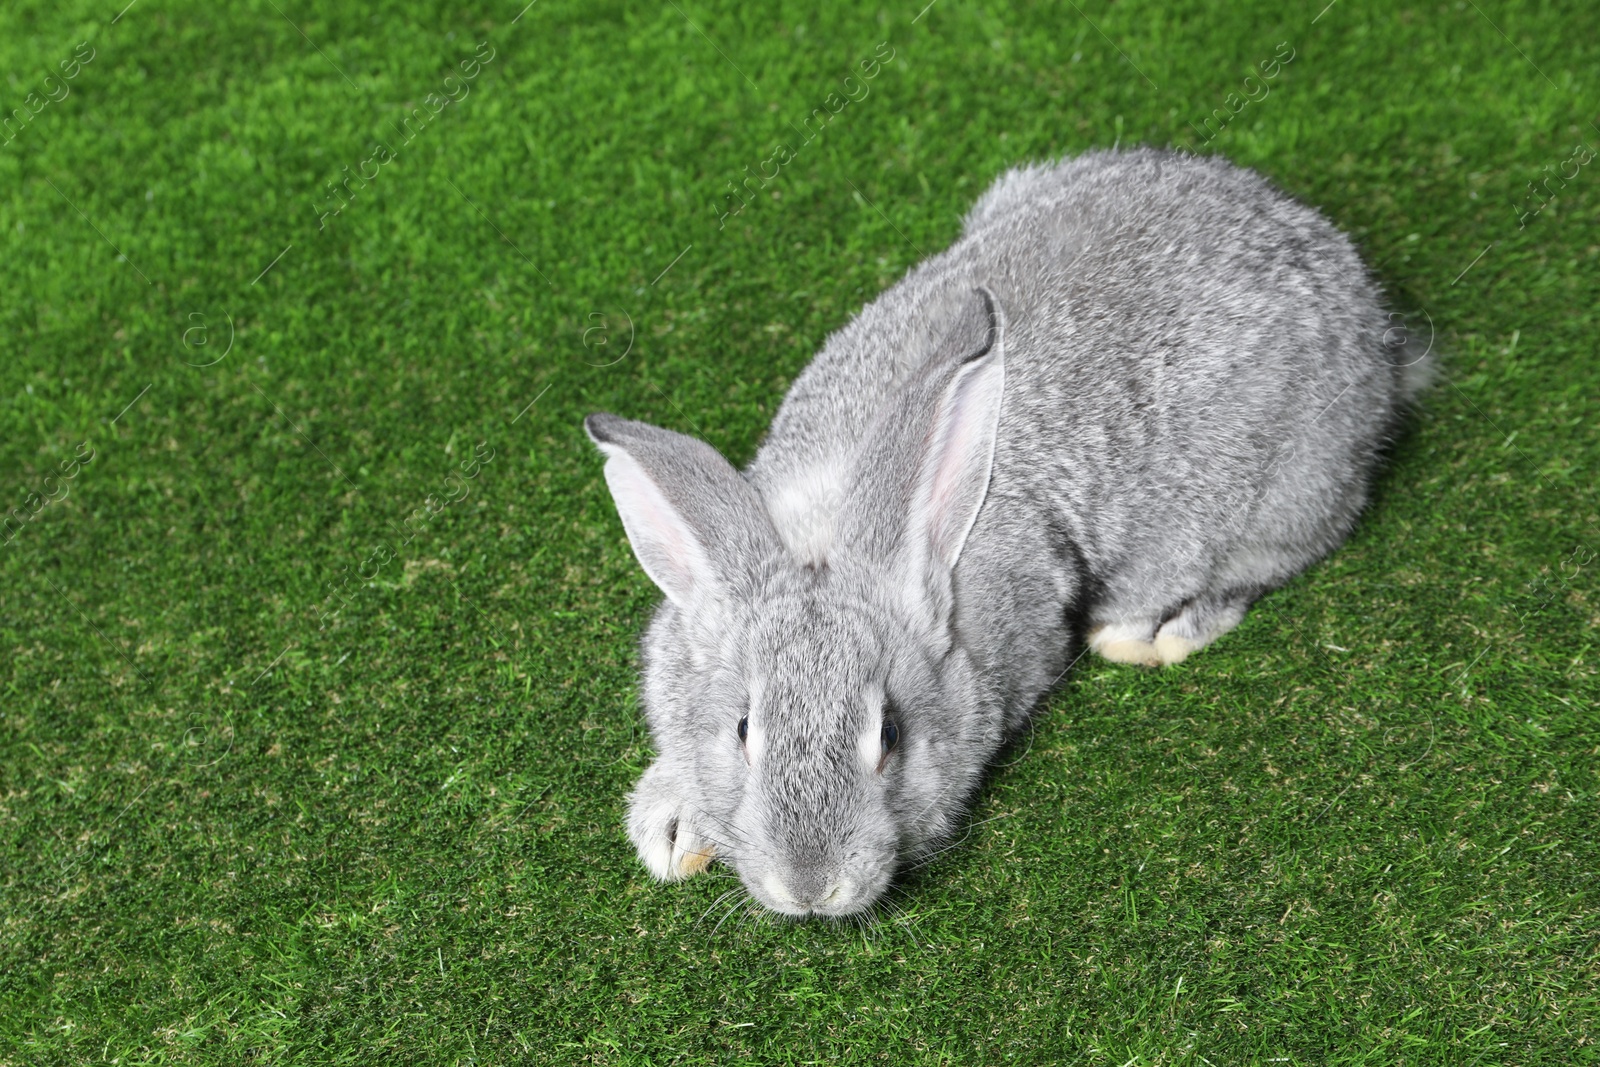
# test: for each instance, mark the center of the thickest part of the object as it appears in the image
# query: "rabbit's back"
(1195, 372)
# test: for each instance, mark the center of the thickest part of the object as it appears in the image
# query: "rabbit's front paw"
(661, 827)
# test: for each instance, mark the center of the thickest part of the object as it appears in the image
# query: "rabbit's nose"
(823, 899)
(807, 895)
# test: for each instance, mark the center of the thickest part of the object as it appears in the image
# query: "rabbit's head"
(818, 722)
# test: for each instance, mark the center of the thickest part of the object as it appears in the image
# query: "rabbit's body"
(1181, 387)
(1176, 333)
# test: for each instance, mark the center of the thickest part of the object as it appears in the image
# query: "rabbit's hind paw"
(1123, 642)
(1173, 649)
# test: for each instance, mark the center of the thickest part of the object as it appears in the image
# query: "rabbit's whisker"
(726, 915)
(714, 904)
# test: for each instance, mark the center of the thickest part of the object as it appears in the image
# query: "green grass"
(1362, 829)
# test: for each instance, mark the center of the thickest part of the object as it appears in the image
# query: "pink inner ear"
(959, 450)
(663, 543)
(960, 457)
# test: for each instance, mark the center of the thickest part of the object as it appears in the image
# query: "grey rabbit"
(1142, 389)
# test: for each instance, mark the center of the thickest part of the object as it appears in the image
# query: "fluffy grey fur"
(1141, 390)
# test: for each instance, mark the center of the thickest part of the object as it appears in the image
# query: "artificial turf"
(320, 667)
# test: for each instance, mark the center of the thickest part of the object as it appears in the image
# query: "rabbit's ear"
(953, 476)
(921, 481)
(696, 526)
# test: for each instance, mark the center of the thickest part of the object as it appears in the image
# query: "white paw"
(1172, 648)
(1122, 642)
(662, 829)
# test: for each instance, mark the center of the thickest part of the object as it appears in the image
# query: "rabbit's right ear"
(697, 527)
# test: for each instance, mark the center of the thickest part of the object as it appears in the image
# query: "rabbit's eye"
(744, 729)
(891, 734)
(889, 737)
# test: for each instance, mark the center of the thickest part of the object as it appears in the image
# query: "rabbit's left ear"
(696, 526)
(921, 482)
